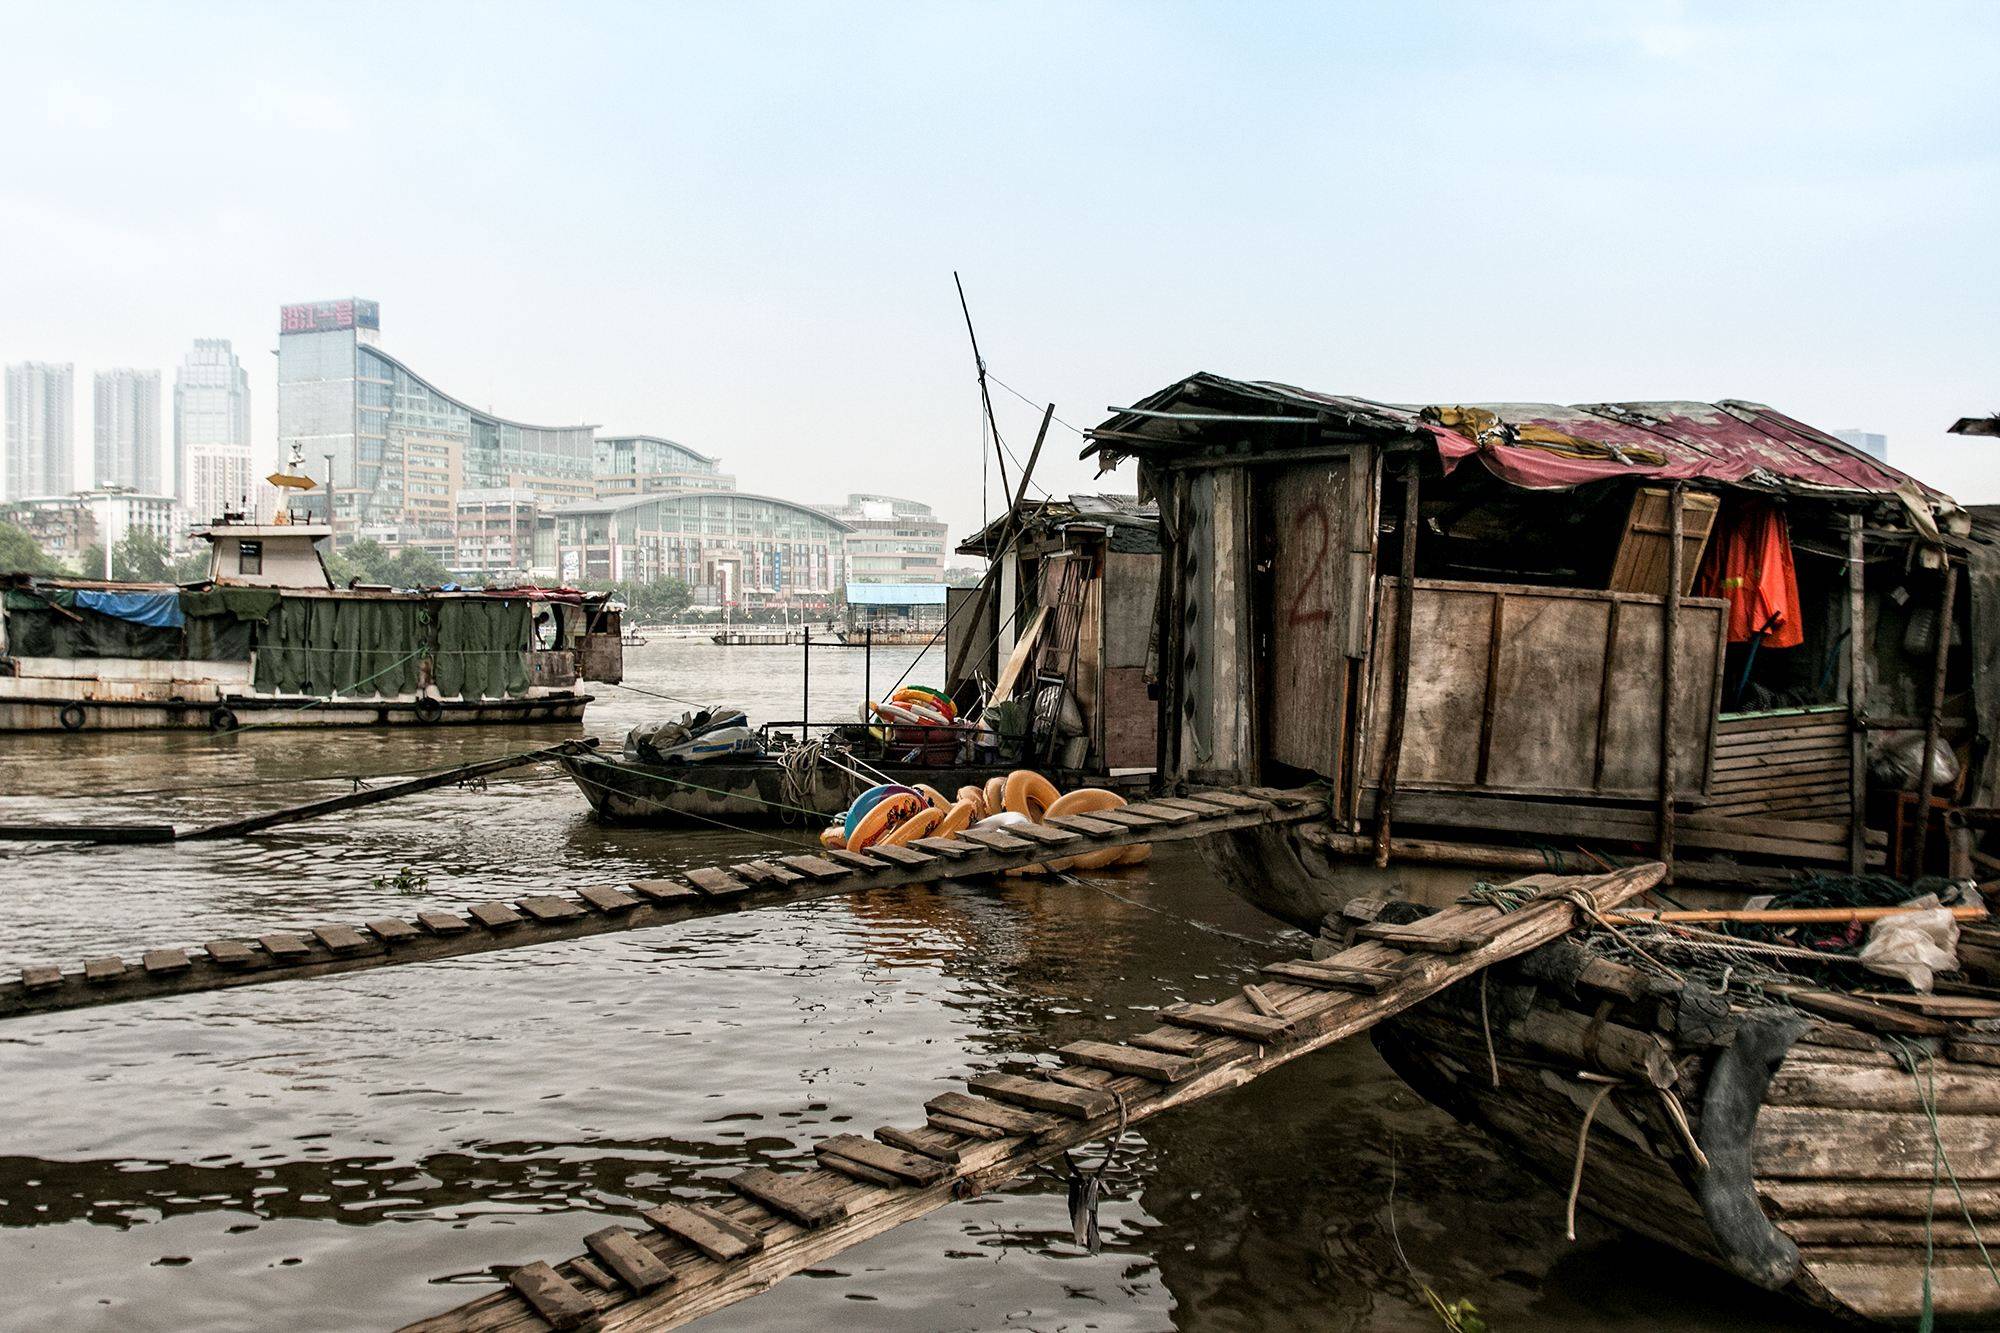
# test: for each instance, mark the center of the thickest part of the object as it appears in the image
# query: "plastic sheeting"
(482, 647)
(160, 610)
(343, 645)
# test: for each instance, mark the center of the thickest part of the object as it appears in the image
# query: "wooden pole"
(1009, 532)
(806, 687)
(1931, 723)
(985, 395)
(1399, 679)
(1857, 699)
(1670, 624)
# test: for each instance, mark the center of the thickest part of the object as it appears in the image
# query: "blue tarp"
(161, 610)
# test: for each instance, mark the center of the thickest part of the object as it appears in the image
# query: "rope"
(1940, 1162)
(1486, 1026)
(1582, 1151)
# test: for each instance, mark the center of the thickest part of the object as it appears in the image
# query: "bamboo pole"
(1801, 916)
(1669, 670)
(1943, 652)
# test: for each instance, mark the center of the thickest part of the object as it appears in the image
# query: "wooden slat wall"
(1309, 613)
(1641, 565)
(1544, 691)
(1792, 764)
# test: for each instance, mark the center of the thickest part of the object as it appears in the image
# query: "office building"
(891, 540)
(754, 551)
(401, 447)
(40, 437)
(496, 532)
(125, 429)
(213, 466)
(644, 464)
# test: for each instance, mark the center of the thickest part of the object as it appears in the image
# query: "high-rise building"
(40, 438)
(893, 540)
(1875, 446)
(496, 532)
(125, 427)
(213, 466)
(401, 447)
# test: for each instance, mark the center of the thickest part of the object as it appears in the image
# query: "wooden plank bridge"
(682, 1260)
(286, 953)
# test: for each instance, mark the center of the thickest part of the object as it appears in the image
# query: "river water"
(360, 1151)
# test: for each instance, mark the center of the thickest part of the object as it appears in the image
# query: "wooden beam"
(1670, 675)
(1941, 650)
(1399, 670)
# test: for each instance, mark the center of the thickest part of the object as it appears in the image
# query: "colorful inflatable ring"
(910, 695)
(944, 702)
(995, 795)
(833, 836)
(1029, 793)
(896, 713)
(1083, 801)
(957, 819)
(867, 801)
(938, 800)
(889, 814)
(922, 824)
(976, 798)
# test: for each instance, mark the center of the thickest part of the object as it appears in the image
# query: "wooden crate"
(1644, 551)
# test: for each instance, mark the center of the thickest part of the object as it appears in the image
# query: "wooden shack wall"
(1129, 588)
(1216, 707)
(1545, 691)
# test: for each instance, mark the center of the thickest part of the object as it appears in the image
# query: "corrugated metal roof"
(895, 594)
(1134, 526)
(1547, 445)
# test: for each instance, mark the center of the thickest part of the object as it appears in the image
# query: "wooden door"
(1305, 539)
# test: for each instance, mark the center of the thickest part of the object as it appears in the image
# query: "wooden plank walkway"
(703, 1256)
(270, 954)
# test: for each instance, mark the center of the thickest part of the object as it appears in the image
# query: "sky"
(736, 225)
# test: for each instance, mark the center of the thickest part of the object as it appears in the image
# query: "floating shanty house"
(266, 640)
(1076, 587)
(1454, 617)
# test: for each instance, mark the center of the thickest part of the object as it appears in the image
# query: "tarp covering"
(161, 610)
(1749, 564)
(1983, 584)
(1540, 446)
(343, 645)
(242, 603)
(39, 628)
(482, 647)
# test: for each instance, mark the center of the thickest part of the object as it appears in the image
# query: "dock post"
(867, 663)
(1399, 680)
(806, 689)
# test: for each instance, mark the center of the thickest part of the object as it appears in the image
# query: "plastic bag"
(1893, 762)
(1911, 946)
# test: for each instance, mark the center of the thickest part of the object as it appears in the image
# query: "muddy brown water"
(360, 1151)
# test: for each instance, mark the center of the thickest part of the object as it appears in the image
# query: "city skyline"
(769, 278)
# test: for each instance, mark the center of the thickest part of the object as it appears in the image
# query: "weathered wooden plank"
(1040, 1095)
(1126, 817)
(591, 1273)
(494, 916)
(1862, 1013)
(980, 1111)
(548, 907)
(230, 953)
(666, 890)
(340, 938)
(443, 923)
(607, 898)
(285, 948)
(902, 856)
(996, 840)
(1154, 1065)
(1193, 804)
(867, 860)
(766, 872)
(560, 1305)
(796, 1196)
(1799, 1142)
(165, 962)
(1430, 941)
(1233, 800)
(99, 971)
(817, 867)
(1232, 1023)
(954, 848)
(391, 930)
(1042, 833)
(923, 1140)
(969, 1129)
(719, 883)
(901, 1166)
(1085, 825)
(42, 978)
(1331, 978)
(715, 1234)
(1261, 1002)
(1163, 812)
(1168, 1042)
(636, 1266)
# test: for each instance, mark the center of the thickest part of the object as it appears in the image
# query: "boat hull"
(624, 792)
(31, 714)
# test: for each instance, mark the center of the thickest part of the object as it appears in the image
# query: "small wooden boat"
(764, 790)
(1791, 1142)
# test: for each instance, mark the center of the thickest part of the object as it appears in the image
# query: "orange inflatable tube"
(961, 816)
(833, 836)
(922, 824)
(938, 800)
(1026, 792)
(1083, 801)
(888, 815)
(995, 795)
(976, 797)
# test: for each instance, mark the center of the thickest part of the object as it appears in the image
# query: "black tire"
(429, 710)
(72, 717)
(221, 719)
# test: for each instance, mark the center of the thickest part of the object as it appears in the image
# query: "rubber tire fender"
(428, 710)
(221, 719)
(72, 717)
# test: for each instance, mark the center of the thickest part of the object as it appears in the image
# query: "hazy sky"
(735, 225)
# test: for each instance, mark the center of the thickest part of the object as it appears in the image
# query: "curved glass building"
(730, 547)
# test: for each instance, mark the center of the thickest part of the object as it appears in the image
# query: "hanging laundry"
(1750, 565)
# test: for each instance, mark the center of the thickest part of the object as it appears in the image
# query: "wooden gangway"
(261, 955)
(680, 1260)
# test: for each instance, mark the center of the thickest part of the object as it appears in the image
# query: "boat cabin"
(1072, 599)
(1696, 626)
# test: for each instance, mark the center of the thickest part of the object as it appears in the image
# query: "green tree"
(191, 568)
(140, 557)
(90, 564)
(414, 568)
(20, 553)
(372, 562)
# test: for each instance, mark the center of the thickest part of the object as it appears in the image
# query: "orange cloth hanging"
(1750, 564)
